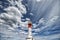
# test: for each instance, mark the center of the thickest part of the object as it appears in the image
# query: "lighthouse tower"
(29, 37)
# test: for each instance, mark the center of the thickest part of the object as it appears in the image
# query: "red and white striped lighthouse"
(29, 37)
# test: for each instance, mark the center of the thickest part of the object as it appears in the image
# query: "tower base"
(29, 39)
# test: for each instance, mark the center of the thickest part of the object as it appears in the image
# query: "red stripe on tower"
(29, 25)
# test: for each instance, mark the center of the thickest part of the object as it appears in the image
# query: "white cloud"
(54, 18)
(1, 6)
(12, 17)
(27, 19)
(35, 25)
(10, 28)
(37, 30)
(42, 20)
(1, 21)
(31, 14)
(14, 14)
(50, 22)
(51, 37)
(38, 0)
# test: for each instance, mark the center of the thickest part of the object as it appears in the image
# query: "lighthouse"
(29, 37)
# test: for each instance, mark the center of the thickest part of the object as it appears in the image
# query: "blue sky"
(44, 14)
